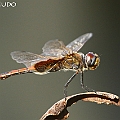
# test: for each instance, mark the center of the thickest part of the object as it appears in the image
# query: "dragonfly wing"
(26, 58)
(77, 44)
(54, 48)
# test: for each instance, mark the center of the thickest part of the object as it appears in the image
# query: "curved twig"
(59, 110)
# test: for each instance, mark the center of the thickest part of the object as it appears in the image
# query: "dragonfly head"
(92, 60)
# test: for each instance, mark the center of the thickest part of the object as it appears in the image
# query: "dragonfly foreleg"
(68, 82)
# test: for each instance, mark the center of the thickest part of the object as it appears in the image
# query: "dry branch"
(59, 110)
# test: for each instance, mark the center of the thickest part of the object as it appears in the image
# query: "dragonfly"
(55, 57)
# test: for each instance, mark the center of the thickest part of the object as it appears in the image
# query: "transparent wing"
(26, 58)
(54, 48)
(77, 44)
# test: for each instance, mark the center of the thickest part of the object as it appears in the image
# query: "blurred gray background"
(29, 25)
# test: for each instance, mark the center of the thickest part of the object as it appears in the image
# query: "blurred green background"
(29, 25)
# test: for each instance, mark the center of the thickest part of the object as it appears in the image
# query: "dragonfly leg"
(67, 84)
(83, 86)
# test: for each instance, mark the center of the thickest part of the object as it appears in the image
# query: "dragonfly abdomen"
(50, 65)
(14, 72)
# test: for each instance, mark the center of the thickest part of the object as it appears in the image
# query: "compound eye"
(90, 59)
